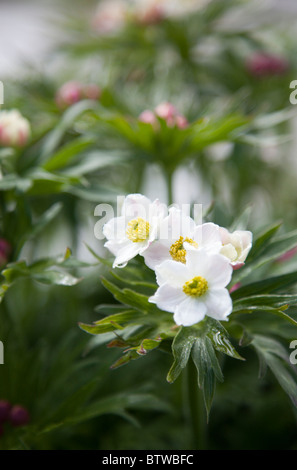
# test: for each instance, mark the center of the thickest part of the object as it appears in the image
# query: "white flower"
(236, 246)
(195, 289)
(177, 229)
(135, 229)
(14, 128)
(110, 16)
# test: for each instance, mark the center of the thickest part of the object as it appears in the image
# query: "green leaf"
(265, 286)
(54, 138)
(130, 298)
(62, 158)
(208, 368)
(112, 322)
(272, 354)
(220, 339)
(181, 350)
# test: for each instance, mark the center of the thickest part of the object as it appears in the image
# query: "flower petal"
(173, 273)
(156, 253)
(208, 236)
(218, 303)
(189, 312)
(168, 297)
(126, 252)
(115, 228)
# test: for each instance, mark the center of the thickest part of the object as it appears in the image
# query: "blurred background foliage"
(226, 67)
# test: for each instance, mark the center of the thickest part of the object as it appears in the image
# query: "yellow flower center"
(138, 230)
(177, 250)
(196, 287)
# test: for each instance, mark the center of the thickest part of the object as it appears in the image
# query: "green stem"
(169, 180)
(196, 409)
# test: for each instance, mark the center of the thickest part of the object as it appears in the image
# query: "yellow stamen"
(138, 230)
(196, 287)
(177, 250)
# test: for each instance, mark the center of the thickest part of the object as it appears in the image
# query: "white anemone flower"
(177, 229)
(195, 289)
(236, 246)
(135, 229)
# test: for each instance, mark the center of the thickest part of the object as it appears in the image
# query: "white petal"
(125, 253)
(215, 268)
(115, 229)
(218, 303)
(173, 273)
(189, 312)
(136, 205)
(208, 236)
(176, 225)
(156, 253)
(168, 297)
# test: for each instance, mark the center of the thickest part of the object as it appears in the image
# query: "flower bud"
(152, 14)
(169, 113)
(265, 65)
(19, 416)
(14, 129)
(148, 117)
(287, 256)
(5, 408)
(236, 246)
(68, 94)
(72, 92)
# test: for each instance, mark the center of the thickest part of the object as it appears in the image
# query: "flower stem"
(196, 409)
(169, 180)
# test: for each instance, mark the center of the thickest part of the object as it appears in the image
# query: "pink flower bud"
(287, 256)
(72, 92)
(5, 408)
(152, 14)
(181, 122)
(167, 112)
(68, 94)
(148, 117)
(235, 287)
(19, 416)
(265, 65)
(14, 129)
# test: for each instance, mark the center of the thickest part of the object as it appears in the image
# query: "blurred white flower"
(14, 129)
(135, 229)
(110, 16)
(236, 246)
(175, 231)
(195, 289)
